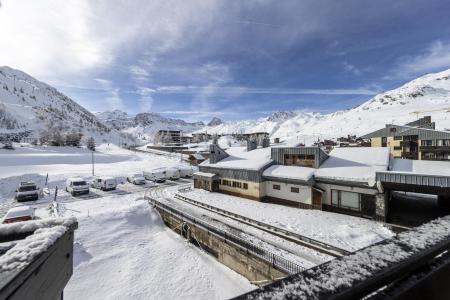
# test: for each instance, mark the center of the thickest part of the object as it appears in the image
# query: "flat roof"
(204, 174)
(422, 167)
(290, 172)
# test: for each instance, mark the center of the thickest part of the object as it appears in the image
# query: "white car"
(19, 214)
(27, 191)
(157, 175)
(77, 186)
(186, 172)
(104, 183)
(137, 179)
(172, 174)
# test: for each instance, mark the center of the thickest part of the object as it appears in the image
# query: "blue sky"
(231, 59)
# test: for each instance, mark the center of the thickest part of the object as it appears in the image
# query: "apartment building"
(417, 140)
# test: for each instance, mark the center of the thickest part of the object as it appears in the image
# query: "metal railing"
(315, 244)
(275, 260)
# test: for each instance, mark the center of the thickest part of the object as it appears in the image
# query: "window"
(346, 200)
(398, 138)
(245, 186)
(276, 187)
(392, 129)
(426, 142)
(299, 160)
(397, 147)
(237, 184)
(226, 182)
(295, 190)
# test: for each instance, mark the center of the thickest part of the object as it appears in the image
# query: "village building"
(416, 140)
(354, 180)
(196, 158)
(168, 137)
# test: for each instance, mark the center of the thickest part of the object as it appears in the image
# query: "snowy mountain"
(426, 95)
(145, 125)
(28, 104)
(215, 121)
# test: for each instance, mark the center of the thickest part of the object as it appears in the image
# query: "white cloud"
(49, 37)
(435, 57)
(348, 67)
(238, 90)
(113, 99)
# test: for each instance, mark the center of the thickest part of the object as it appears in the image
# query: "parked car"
(19, 214)
(172, 174)
(104, 183)
(27, 191)
(77, 186)
(156, 175)
(137, 179)
(186, 172)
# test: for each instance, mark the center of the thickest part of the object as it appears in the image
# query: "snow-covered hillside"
(145, 125)
(28, 104)
(427, 95)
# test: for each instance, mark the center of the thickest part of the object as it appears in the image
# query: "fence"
(275, 260)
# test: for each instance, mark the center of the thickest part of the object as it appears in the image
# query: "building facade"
(303, 177)
(416, 140)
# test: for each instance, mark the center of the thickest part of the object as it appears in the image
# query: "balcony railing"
(435, 148)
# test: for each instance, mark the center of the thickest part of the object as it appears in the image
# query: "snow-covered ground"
(60, 163)
(347, 232)
(122, 248)
(124, 251)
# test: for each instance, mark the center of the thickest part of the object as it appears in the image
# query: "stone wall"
(251, 267)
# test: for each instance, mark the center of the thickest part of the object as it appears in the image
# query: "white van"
(186, 172)
(156, 175)
(77, 186)
(104, 183)
(172, 174)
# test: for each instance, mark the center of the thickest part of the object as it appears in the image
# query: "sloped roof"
(354, 164)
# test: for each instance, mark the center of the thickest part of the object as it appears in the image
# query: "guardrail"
(308, 242)
(275, 260)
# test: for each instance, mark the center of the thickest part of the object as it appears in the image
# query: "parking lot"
(64, 197)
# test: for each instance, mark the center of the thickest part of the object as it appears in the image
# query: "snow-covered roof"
(240, 158)
(354, 164)
(204, 174)
(422, 167)
(198, 156)
(289, 172)
(73, 179)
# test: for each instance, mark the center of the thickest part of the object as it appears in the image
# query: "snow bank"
(28, 226)
(123, 250)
